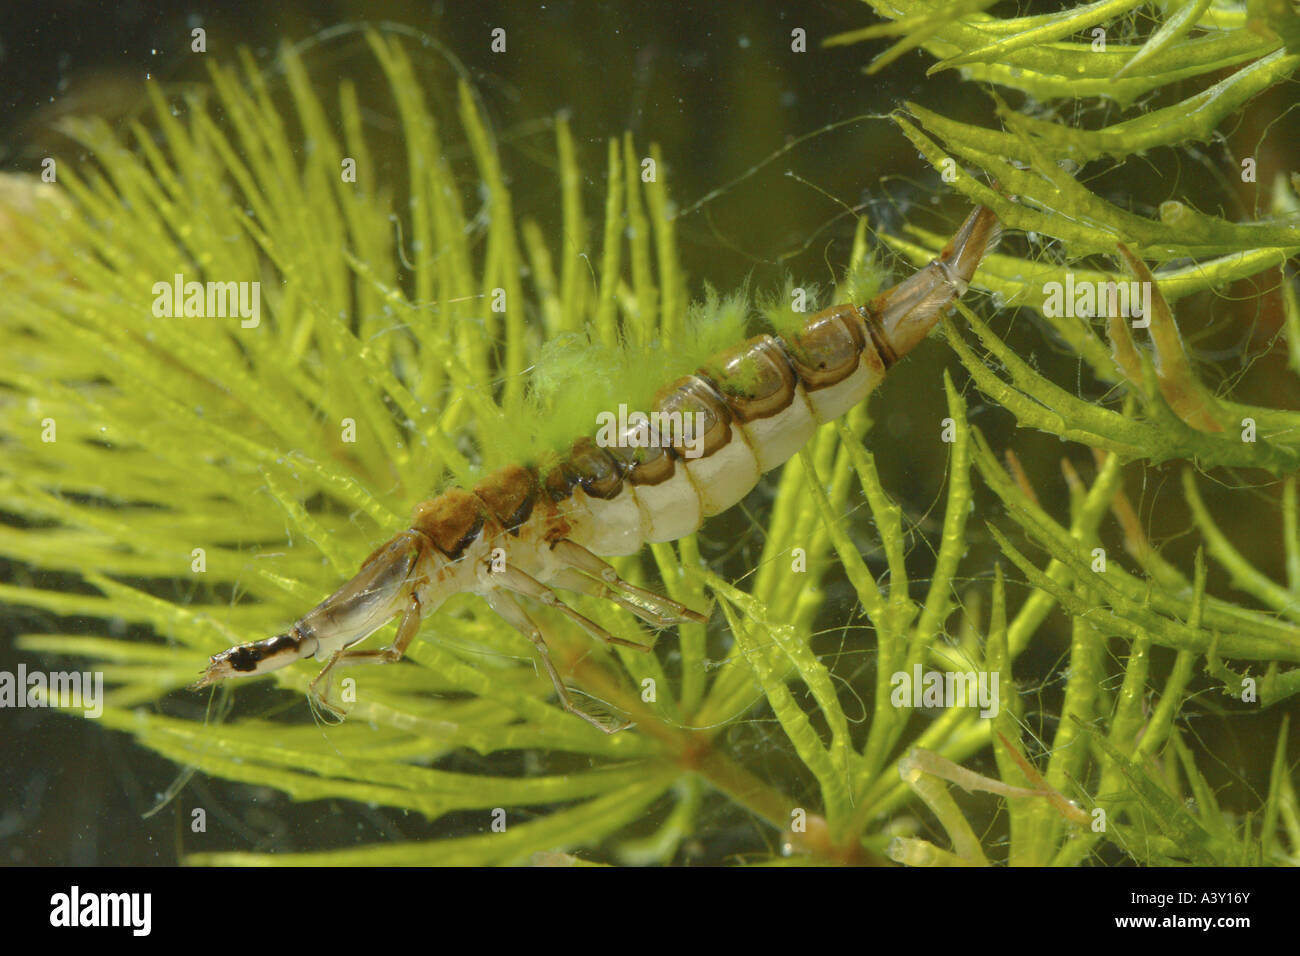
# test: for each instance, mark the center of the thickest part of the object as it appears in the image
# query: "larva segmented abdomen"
(760, 403)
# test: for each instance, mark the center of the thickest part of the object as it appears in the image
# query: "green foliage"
(1158, 408)
(174, 435)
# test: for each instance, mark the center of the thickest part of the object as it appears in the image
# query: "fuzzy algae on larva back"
(527, 528)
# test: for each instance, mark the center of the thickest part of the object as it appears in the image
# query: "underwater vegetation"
(195, 466)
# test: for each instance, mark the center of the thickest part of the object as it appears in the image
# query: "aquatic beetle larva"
(757, 404)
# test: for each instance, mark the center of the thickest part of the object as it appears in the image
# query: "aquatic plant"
(210, 481)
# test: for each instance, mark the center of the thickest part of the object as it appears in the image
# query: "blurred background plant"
(177, 436)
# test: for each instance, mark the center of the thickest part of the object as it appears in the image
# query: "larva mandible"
(759, 402)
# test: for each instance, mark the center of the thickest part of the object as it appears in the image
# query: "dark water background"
(717, 87)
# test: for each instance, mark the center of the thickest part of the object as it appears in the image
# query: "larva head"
(258, 657)
(907, 312)
(380, 591)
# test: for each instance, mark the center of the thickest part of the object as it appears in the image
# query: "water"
(723, 96)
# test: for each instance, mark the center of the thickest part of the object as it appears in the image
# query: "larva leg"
(576, 556)
(406, 631)
(507, 606)
(512, 579)
(576, 581)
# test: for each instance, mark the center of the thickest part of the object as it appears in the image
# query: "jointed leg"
(572, 580)
(509, 608)
(512, 579)
(406, 631)
(666, 609)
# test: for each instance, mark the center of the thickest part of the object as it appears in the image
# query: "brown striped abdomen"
(758, 404)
